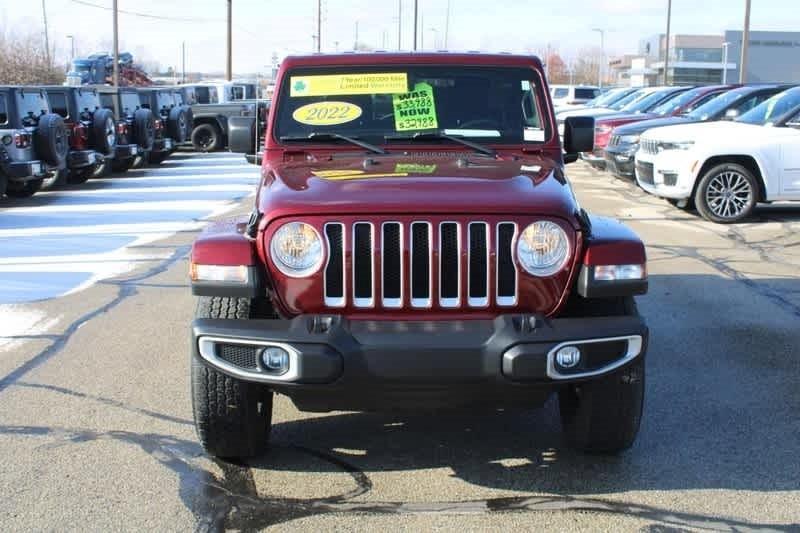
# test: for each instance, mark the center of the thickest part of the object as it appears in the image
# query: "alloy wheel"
(728, 194)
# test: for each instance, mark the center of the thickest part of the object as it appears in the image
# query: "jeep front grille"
(649, 146)
(420, 264)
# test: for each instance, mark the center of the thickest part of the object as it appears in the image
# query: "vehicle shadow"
(720, 410)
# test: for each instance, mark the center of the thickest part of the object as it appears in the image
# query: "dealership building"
(709, 59)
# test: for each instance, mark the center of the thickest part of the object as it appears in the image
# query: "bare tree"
(24, 61)
(586, 68)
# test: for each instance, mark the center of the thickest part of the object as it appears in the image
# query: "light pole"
(600, 69)
(725, 46)
(229, 44)
(416, 13)
(666, 44)
(71, 48)
(319, 25)
(447, 24)
(115, 37)
(399, 24)
(745, 43)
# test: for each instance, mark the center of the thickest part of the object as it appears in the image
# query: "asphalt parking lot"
(95, 414)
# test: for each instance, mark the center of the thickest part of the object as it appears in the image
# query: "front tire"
(232, 417)
(206, 138)
(726, 194)
(603, 415)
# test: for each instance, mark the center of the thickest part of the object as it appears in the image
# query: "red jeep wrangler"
(416, 244)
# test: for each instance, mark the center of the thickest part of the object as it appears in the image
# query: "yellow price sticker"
(342, 84)
(326, 113)
(415, 168)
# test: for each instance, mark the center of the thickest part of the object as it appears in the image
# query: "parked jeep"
(33, 141)
(416, 244)
(210, 132)
(136, 126)
(90, 126)
(172, 121)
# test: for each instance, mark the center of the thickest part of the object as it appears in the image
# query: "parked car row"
(61, 134)
(720, 149)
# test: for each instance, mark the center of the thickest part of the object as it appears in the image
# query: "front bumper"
(667, 174)
(596, 158)
(24, 171)
(83, 158)
(620, 159)
(163, 145)
(126, 151)
(341, 364)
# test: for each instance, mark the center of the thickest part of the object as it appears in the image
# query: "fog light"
(568, 356)
(275, 360)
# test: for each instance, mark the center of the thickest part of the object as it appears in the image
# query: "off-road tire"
(24, 190)
(206, 138)
(177, 124)
(102, 125)
(706, 181)
(603, 415)
(232, 417)
(144, 129)
(52, 140)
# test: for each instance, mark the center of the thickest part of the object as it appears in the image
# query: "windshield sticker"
(342, 84)
(335, 173)
(414, 168)
(533, 135)
(326, 113)
(415, 110)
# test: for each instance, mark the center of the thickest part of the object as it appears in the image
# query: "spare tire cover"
(178, 124)
(144, 128)
(104, 135)
(51, 140)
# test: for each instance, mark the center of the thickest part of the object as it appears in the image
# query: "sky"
(266, 27)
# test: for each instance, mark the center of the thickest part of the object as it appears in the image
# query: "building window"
(705, 55)
(695, 76)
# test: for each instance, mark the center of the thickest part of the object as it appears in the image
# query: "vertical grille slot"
(420, 264)
(478, 264)
(392, 265)
(506, 271)
(362, 265)
(449, 264)
(334, 270)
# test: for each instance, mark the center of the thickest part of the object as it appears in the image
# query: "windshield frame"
(542, 102)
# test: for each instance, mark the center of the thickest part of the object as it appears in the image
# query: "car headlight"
(296, 249)
(629, 139)
(543, 248)
(664, 146)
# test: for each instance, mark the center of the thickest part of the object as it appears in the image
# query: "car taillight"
(81, 132)
(158, 124)
(122, 128)
(22, 139)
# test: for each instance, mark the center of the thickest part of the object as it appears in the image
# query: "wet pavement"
(95, 414)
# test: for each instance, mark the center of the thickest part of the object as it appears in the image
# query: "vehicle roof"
(423, 58)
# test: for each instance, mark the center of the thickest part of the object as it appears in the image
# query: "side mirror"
(578, 137)
(731, 114)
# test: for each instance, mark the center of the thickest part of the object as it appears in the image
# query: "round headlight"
(543, 248)
(296, 249)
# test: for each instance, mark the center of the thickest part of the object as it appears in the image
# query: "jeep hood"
(455, 183)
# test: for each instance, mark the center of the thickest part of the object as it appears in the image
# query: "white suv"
(725, 168)
(572, 95)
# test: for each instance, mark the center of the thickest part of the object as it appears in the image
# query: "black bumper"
(23, 171)
(165, 144)
(340, 364)
(126, 151)
(620, 160)
(77, 159)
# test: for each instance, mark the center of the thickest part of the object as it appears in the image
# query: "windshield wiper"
(439, 135)
(328, 136)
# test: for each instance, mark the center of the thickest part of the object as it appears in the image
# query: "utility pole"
(46, 37)
(319, 25)
(183, 62)
(399, 24)
(355, 43)
(416, 14)
(229, 61)
(71, 47)
(600, 68)
(115, 37)
(666, 55)
(745, 43)
(446, 24)
(725, 46)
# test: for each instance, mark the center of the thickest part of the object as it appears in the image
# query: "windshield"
(622, 102)
(87, 100)
(678, 102)
(609, 97)
(774, 108)
(81, 66)
(719, 104)
(32, 105)
(647, 103)
(499, 105)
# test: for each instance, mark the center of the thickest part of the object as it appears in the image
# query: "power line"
(148, 15)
